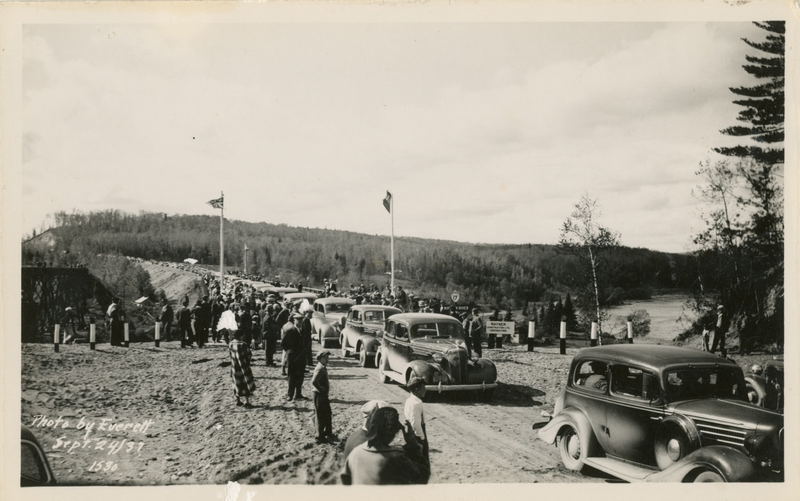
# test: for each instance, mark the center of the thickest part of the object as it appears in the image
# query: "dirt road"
(197, 435)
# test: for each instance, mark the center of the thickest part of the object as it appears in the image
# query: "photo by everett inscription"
(328, 243)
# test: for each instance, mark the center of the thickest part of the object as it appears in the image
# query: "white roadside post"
(593, 341)
(127, 336)
(563, 337)
(92, 336)
(56, 335)
(630, 332)
(531, 334)
(158, 334)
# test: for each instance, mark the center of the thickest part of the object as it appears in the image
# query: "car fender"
(759, 385)
(328, 331)
(572, 416)
(678, 427)
(422, 369)
(369, 343)
(348, 334)
(732, 465)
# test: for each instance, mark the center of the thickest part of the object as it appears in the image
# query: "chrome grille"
(457, 366)
(712, 432)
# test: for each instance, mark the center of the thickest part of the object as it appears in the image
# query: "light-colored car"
(649, 413)
(292, 298)
(431, 346)
(361, 334)
(328, 319)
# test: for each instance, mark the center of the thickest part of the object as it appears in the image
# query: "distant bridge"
(47, 292)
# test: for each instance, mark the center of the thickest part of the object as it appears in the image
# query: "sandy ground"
(198, 435)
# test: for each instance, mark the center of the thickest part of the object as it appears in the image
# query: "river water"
(668, 318)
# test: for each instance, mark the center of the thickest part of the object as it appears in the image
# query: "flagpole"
(245, 258)
(391, 201)
(221, 241)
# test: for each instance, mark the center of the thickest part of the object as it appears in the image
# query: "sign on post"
(455, 296)
(499, 328)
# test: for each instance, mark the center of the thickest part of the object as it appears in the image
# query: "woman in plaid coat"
(243, 383)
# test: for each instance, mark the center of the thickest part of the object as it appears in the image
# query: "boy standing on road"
(322, 405)
(414, 413)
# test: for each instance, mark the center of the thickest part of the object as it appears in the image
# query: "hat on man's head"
(322, 354)
(415, 383)
(370, 406)
(719, 307)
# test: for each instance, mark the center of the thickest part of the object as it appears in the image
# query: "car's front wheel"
(569, 445)
(363, 361)
(709, 476)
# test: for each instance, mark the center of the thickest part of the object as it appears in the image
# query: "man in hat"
(359, 436)
(270, 329)
(292, 345)
(376, 462)
(474, 337)
(305, 331)
(322, 404)
(720, 329)
(167, 315)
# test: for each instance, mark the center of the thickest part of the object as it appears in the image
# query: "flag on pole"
(387, 202)
(217, 202)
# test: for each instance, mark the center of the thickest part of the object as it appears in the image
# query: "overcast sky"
(484, 132)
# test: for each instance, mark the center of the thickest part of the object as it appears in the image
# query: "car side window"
(401, 332)
(592, 375)
(390, 329)
(628, 381)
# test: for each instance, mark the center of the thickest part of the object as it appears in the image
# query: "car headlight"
(757, 444)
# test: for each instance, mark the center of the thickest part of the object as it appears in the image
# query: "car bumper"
(440, 388)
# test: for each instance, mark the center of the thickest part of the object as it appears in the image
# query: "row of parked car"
(637, 412)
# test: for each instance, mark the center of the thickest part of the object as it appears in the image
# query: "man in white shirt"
(414, 412)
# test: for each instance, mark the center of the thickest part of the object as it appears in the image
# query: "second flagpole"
(221, 242)
(391, 201)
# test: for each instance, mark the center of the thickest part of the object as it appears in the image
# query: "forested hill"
(500, 274)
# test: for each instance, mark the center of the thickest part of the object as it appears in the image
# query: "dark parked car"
(34, 467)
(431, 346)
(765, 386)
(662, 413)
(361, 333)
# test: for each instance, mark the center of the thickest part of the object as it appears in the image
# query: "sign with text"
(499, 328)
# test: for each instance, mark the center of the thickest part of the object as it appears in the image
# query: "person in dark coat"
(197, 323)
(269, 326)
(245, 321)
(292, 344)
(474, 335)
(116, 318)
(166, 318)
(305, 331)
(378, 463)
(183, 317)
(322, 404)
(243, 383)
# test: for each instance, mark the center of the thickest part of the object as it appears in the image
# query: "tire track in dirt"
(461, 438)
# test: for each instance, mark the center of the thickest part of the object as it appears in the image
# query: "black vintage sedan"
(663, 413)
(431, 346)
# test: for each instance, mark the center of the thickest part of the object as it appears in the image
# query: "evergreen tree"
(764, 106)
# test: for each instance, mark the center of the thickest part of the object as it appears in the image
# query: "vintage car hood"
(435, 344)
(733, 412)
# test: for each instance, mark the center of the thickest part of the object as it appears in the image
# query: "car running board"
(620, 469)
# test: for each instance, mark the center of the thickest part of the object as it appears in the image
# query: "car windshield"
(337, 308)
(705, 382)
(448, 330)
(374, 316)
